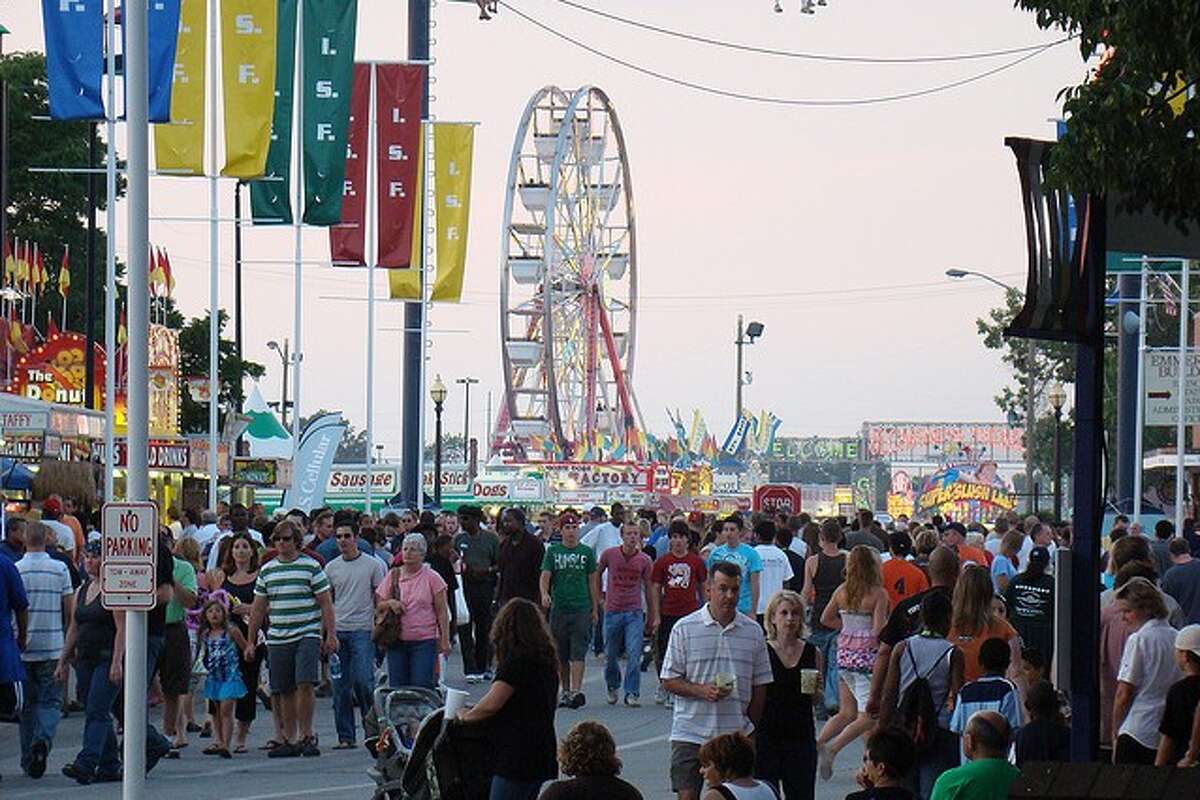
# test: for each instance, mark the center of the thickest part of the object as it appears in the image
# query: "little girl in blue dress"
(222, 642)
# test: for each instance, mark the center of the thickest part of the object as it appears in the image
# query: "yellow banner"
(179, 144)
(248, 32)
(454, 145)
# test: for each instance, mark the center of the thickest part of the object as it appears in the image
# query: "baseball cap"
(1040, 554)
(569, 516)
(1188, 639)
(52, 505)
(900, 543)
(93, 547)
(695, 517)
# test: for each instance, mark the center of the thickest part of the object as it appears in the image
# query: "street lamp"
(1057, 396)
(287, 361)
(1030, 362)
(466, 384)
(437, 393)
(746, 334)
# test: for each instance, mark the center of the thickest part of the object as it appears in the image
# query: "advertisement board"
(575, 477)
(934, 441)
(353, 480)
(55, 372)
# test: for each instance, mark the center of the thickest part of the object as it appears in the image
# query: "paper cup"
(456, 699)
(808, 681)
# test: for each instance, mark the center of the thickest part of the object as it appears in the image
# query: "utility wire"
(749, 48)
(781, 101)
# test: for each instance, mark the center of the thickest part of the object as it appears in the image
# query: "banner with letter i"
(270, 198)
(399, 96)
(328, 39)
(248, 32)
(454, 144)
(179, 145)
(74, 57)
(347, 241)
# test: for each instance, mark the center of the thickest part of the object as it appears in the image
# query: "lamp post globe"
(437, 393)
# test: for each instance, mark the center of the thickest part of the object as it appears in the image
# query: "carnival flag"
(179, 145)
(313, 460)
(399, 96)
(248, 33)
(270, 198)
(453, 150)
(329, 32)
(168, 273)
(74, 33)
(10, 264)
(347, 241)
(162, 34)
(64, 272)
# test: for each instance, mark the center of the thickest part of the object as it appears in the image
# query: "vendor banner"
(976, 488)
(453, 155)
(162, 31)
(329, 33)
(347, 240)
(399, 97)
(270, 198)
(314, 459)
(74, 33)
(248, 33)
(179, 144)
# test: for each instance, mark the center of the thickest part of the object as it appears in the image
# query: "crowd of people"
(931, 640)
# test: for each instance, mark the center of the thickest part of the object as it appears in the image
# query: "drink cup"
(456, 699)
(808, 681)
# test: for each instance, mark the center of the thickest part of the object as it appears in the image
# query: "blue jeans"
(509, 789)
(157, 745)
(826, 642)
(43, 707)
(623, 633)
(357, 653)
(411, 663)
(99, 739)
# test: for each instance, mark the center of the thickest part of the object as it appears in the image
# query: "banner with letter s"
(329, 32)
(74, 31)
(179, 145)
(313, 460)
(248, 32)
(399, 96)
(270, 198)
(347, 241)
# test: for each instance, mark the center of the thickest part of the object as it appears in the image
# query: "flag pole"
(372, 256)
(110, 259)
(65, 262)
(33, 288)
(298, 226)
(214, 244)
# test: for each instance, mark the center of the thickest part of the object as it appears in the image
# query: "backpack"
(917, 713)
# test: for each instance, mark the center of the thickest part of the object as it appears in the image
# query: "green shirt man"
(570, 570)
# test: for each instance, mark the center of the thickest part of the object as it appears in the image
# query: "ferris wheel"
(568, 284)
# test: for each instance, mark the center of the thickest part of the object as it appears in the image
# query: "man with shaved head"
(988, 775)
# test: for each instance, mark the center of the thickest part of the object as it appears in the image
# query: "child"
(221, 642)
(1046, 737)
(991, 692)
(1183, 704)
(1034, 669)
(888, 759)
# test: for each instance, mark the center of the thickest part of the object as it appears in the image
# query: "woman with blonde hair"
(589, 754)
(785, 744)
(858, 610)
(975, 621)
(1148, 670)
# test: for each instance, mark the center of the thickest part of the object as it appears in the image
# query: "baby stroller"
(417, 757)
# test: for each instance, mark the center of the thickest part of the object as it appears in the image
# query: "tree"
(231, 371)
(1131, 125)
(46, 207)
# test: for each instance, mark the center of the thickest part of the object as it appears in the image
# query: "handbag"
(387, 621)
(462, 612)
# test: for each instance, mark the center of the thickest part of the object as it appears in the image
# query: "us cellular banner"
(248, 32)
(270, 198)
(313, 460)
(179, 145)
(74, 57)
(399, 95)
(347, 241)
(329, 31)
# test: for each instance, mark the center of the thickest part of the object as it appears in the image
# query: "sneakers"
(488, 676)
(824, 762)
(285, 750)
(578, 701)
(109, 777)
(633, 701)
(37, 759)
(612, 697)
(77, 773)
(474, 678)
(564, 700)
(660, 696)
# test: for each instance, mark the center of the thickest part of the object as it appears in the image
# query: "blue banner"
(163, 33)
(74, 57)
(313, 460)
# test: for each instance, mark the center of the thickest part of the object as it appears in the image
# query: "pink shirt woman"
(418, 595)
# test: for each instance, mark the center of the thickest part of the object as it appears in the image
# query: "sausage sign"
(129, 559)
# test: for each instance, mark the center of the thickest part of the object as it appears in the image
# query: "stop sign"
(776, 497)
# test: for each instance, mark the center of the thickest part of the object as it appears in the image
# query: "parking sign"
(129, 560)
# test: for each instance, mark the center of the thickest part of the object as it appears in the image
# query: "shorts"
(293, 663)
(175, 662)
(572, 630)
(859, 684)
(685, 768)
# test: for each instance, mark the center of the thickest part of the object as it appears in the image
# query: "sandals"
(271, 744)
(241, 748)
(344, 746)
(211, 750)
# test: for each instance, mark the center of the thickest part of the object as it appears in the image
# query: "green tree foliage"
(1123, 135)
(193, 358)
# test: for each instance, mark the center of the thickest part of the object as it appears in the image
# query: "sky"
(831, 226)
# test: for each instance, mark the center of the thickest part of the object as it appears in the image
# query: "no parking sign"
(129, 560)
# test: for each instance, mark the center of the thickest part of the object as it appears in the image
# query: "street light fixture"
(1030, 404)
(1058, 397)
(286, 359)
(746, 334)
(437, 393)
(466, 383)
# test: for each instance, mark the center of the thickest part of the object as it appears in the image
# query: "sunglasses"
(283, 538)
(345, 536)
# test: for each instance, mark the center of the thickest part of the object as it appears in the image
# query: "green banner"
(329, 29)
(270, 198)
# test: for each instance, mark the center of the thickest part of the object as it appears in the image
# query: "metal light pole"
(237, 282)
(437, 393)
(287, 360)
(1030, 397)
(466, 384)
(1057, 396)
(89, 361)
(746, 334)
(3, 150)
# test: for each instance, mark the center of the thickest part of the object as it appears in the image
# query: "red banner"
(399, 94)
(347, 241)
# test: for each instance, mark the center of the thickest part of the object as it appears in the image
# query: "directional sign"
(775, 497)
(1162, 388)
(129, 560)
